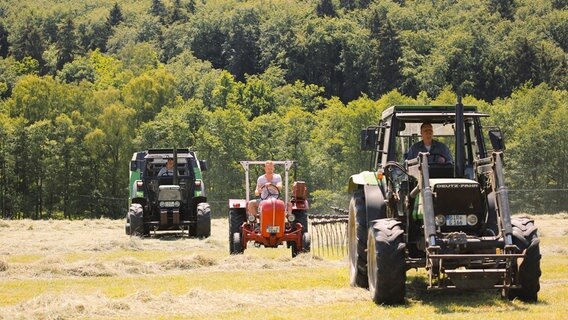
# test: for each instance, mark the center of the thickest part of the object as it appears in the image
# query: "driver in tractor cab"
(439, 152)
(268, 178)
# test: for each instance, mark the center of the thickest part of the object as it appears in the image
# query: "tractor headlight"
(472, 219)
(251, 218)
(291, 218)
(440, 220)
(162, 204)
(176, 204)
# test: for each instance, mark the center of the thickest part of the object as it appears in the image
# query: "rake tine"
(320, 241)
(330, 239)
(337, 237)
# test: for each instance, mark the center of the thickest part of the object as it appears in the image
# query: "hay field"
(90, 269)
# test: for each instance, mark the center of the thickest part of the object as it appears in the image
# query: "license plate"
(456, 220)
(273, 229)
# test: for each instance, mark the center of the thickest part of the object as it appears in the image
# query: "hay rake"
(330, 232)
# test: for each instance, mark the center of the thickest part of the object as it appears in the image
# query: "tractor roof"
(415, 113)
(168, 153)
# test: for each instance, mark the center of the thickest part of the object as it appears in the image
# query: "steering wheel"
(269, 191)
(437, 158)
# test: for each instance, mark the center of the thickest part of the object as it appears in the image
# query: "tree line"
(83, 88)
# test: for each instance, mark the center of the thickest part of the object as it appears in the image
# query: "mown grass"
(121, 278)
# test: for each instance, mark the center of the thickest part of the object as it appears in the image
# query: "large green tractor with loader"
(450, 217)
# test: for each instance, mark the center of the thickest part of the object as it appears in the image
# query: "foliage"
(83, 88)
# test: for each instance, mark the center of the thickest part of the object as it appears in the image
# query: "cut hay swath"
(330, 233)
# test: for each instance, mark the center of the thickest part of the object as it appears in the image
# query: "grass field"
(91, 270)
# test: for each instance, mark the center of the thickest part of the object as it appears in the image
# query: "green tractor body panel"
(362, 179)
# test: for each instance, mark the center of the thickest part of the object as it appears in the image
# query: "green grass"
(249, 286)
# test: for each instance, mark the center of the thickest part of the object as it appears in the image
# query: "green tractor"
(167, 200)
(450, 217)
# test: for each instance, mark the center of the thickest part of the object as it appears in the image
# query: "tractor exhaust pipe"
(460, 153)
(175, 155)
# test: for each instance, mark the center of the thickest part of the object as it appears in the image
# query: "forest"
(84, 84)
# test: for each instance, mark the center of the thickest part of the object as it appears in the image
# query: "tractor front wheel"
(236, 219)
(306, 245)
(136, 218)
(525, 237)
(386, 262)
(357, 240)
(237, 244)
(203, 224)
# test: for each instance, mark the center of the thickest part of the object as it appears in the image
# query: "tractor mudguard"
(362, 179)
(141, 201)
(374, 194)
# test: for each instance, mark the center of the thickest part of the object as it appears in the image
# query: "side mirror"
(203, 165)
(369, 138)
(133, 165)
(497, 139)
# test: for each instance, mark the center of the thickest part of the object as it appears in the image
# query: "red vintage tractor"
(276, 221)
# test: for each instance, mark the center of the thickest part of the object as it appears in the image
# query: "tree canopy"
(84, 86)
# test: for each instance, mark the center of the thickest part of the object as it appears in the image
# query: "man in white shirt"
(268, 178)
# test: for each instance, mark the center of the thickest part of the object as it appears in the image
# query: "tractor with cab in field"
(449, 216)
(167, 193)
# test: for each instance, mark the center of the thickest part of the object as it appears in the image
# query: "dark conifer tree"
(4, 44)
(506, 8)
(66, 43)
(158, 9)
(115, 16)
(28, 42)
(385, 73)
(348, 4)
(325, 9)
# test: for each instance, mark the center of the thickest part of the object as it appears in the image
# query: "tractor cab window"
(442, 132)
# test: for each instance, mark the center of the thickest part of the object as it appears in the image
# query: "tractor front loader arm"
(502, 196)
(418, 168)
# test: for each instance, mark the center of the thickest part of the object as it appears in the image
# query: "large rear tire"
(136, 218)
(302, 218)
(525, 237)
(237, 243)
(386, 262)
(306, 245)
(203, 224)
(236, 219)
(357, 240)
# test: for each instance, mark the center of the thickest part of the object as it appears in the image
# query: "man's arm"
(444, 151)
(412, 152)
(278, 180)
(259, 185)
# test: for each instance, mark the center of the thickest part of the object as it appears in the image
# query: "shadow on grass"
(458, 301)
(169, 235)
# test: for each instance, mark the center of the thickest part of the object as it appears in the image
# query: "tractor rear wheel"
(236, 219)
(203, 224)
(357, 240)
(386, 262)
(237, 244)
(127, 224)
(136, 218)
(525, 237)
(306, 244)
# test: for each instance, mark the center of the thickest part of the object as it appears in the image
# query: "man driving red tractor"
(268, 178)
